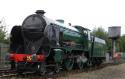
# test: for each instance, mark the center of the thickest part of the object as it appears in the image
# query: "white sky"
(88, 13)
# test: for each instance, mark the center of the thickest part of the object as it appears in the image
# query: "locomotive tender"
(41, 44)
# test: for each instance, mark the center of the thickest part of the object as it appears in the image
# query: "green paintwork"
(78, 38)
(58, 55)
(99, 50)
(96, 49)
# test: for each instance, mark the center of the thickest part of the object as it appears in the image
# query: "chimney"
(41, 12)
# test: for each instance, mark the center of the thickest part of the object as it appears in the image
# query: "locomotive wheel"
(41, 68)
(80, 65)
(69, 64)
(99, 62)
(81, 61)
(13, 65)
(57, 68)
(89, 63)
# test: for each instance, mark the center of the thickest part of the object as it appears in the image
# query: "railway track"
(7, 73)
(11, 74)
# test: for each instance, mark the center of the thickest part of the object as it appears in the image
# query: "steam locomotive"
(41, 44)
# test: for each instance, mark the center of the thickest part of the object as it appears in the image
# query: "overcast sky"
(88, 13)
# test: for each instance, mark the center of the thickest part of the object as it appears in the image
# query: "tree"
(121, 42)
(3, 33)
(101, 33)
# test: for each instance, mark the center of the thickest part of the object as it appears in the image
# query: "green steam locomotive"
(41, 44)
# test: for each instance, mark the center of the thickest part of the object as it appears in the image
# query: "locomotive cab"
(85, 35)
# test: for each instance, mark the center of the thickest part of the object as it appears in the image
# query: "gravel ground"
(110, 72)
